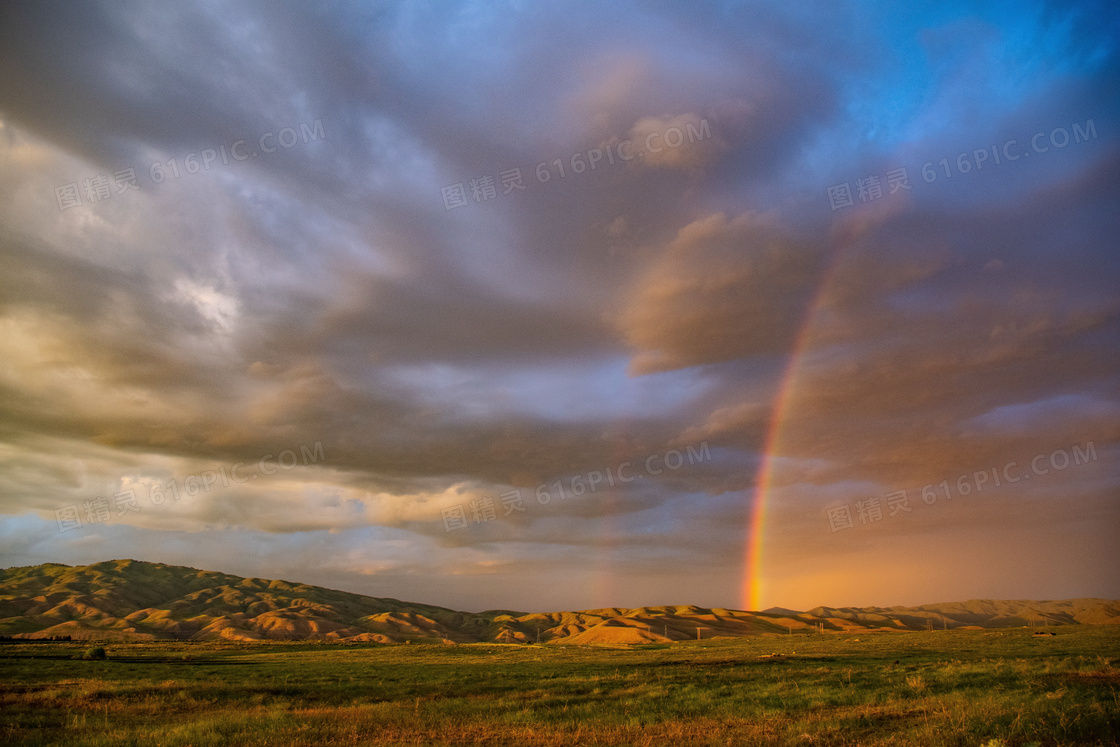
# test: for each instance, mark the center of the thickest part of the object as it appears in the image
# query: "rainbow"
(751, 593)
(752, 563)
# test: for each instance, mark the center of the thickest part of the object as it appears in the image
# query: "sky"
(545, 306)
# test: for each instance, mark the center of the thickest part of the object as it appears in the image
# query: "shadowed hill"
(133, 600)
(982, 613)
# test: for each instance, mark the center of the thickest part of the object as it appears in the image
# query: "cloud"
(668, 142)
(722, 289)
(324, 292)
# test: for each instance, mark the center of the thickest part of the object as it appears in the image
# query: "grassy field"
(983, 687)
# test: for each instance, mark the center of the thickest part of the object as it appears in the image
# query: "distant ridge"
(135, 600)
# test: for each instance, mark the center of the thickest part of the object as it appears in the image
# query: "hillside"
(133, 600)
(121, 599)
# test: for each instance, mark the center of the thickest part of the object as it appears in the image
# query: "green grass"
(947, 688)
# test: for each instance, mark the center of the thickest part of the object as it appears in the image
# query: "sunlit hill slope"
(128, 599)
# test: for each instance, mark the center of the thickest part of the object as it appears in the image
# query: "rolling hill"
(134, 600)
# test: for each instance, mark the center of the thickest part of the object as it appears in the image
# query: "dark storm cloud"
(323, 292)
(228, 86)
